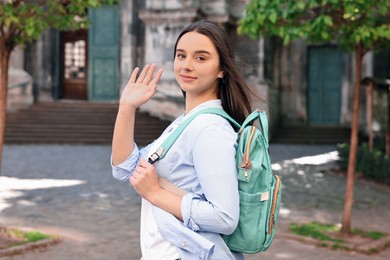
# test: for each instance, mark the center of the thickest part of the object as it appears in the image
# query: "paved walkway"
(69, 191)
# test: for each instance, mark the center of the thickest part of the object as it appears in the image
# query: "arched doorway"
(74, 72)
(89, 64)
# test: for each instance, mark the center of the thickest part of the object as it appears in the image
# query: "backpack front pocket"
(253, 223)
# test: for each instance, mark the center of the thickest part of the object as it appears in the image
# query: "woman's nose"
(187, 65)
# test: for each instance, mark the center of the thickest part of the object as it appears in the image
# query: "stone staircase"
(311, 135)
(75, 123)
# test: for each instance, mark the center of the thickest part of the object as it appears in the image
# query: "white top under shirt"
(153, 245)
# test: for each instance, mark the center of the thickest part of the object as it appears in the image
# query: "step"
(75, 122)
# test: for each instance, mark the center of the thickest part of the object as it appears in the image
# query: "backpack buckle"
(156, 155)
(153, 158)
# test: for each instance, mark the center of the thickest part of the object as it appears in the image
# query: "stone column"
(163, 21)
(19, 82)
(250, 56)
(128, 45)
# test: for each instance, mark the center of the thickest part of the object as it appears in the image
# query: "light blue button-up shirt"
(202, 163)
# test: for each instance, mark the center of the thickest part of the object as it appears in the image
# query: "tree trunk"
(387, 141)
(369, 104)
(347, 214)
(388, 125)
(4, 61)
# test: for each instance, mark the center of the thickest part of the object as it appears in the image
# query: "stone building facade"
(95, 64)
(313, 85)
(299, 84)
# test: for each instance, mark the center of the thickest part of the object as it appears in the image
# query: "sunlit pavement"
(69, 191)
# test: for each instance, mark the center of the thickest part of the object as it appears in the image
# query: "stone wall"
(292, 80)
(290, 77)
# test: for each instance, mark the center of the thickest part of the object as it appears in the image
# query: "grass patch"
(25, 236)
(374, 235)
(33, 236)
(14, 241)
(13, 237)
(316, 230)
(329, 236)
(340, 246)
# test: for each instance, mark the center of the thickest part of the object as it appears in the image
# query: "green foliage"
(25, 236)
(24, 21)
(349, 22)
(375, 165)
(315, 230)
(371, 234)
(33, 236)
(328, 235)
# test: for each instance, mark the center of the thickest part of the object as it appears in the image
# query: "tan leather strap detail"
(170, 187)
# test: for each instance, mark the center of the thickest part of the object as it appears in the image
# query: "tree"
(24, 21)
(355, 25)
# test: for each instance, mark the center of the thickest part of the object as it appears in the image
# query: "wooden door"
(74, 50)
(325, 71)
(104, 53)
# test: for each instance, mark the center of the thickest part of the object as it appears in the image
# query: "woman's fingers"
(156, 77)
(143, 168)
(149, 74)
(144, 179)
(142, 87)
(134, 75)
(143, 163)
(140, 169)
(143, 74)
(136, 177)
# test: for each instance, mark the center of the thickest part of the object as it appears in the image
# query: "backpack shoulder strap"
(264, 124)
(262, 116)
(220, 112)
(167, 144)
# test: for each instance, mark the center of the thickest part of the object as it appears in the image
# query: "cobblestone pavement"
(69, 191)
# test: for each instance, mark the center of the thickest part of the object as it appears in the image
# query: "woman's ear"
(220, 74)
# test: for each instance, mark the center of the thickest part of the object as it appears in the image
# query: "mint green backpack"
(260, 190)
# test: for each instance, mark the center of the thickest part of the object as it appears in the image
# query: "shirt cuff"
(124, 170)
(186, 205)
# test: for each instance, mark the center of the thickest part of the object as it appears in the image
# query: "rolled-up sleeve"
(214, 162)
(124, 170)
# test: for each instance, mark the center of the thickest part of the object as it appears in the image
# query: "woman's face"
(196, 65)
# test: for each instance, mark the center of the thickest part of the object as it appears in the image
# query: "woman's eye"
(180, 56)
(200, 58)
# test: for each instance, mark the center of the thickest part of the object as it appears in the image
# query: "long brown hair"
(232, 89)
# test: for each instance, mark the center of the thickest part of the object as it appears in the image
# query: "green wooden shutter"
(324, 85)
(103, 53)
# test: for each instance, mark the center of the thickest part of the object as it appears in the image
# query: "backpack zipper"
(273, 208)
(247, 164)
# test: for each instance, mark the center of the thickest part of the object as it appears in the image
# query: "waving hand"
(139, 90)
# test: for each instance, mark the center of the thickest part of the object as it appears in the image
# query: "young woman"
(187, 225)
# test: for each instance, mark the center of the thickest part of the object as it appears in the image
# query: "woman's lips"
(187, 78)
